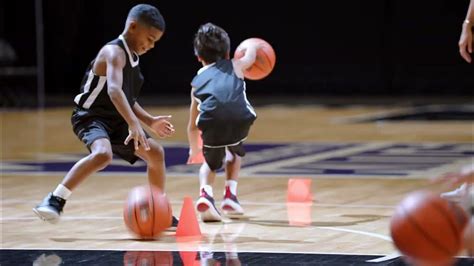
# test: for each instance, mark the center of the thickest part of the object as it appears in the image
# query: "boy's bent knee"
(156, 152)
(102, 157)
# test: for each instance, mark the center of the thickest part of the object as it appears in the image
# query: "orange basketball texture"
(147, 211)
(425, 228)
(264, 62)
(469, 236)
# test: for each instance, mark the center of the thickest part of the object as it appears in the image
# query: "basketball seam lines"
(258, 67)
(153, 213)
(423, 233)
(261, 68)
(268, 60)
(453, 226)
(137, 218)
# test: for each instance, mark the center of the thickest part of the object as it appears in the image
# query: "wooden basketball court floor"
(358, 174)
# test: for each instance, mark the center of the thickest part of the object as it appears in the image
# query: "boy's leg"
(207, 174)
(233, 163)
(155, 159)
(51, 207)
(98, 159)
(156, 170)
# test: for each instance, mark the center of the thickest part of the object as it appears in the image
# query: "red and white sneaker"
(230, 204)
(208, 211)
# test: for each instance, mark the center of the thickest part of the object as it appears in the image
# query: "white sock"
(232, 184)
(62, 192)
(208, 190)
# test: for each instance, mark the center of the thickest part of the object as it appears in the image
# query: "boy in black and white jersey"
(107, 115)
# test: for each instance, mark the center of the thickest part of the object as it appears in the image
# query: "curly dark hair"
(211, 43)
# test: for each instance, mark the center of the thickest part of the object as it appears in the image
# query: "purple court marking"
(397, 159)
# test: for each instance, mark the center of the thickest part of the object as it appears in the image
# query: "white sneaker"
(205, 206)
(456, 195)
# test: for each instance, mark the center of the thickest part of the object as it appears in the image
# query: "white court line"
(375, 235)
(175, 249)
(380, 236)
(385, 258)
(22, 218)
(251, 203)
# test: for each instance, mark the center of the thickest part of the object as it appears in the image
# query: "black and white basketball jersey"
(94, 96)
(225, 114)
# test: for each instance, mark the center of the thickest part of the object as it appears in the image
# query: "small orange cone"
(299, 201)
(299, 190)
(188, 224)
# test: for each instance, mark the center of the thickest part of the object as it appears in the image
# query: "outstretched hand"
(162, 126)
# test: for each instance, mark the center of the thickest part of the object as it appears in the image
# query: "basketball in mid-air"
(147, 212)
(264, 62)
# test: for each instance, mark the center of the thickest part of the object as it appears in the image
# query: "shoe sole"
(174, 222)
(47, 215)
(202, 207)
(208, 212)
(230, 207)
(210, 216)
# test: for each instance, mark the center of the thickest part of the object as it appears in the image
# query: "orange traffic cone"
(188, 224)
(299, 201)
(299, 190)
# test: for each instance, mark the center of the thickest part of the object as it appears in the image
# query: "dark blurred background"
(349, 49)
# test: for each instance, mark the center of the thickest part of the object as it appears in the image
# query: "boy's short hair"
(148, 15)
(211, 43)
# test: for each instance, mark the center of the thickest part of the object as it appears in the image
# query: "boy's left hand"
(195, 156)
(162, 126)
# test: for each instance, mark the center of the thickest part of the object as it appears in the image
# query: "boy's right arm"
(193, 130)
(115, 61)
